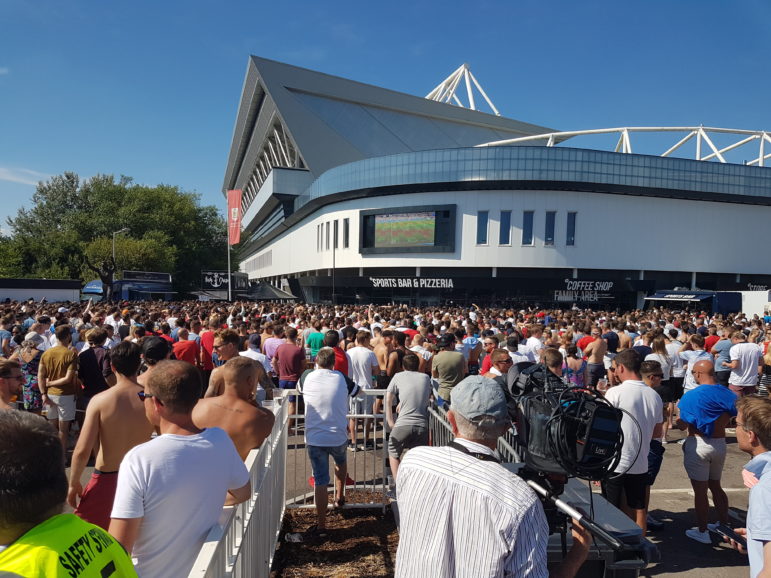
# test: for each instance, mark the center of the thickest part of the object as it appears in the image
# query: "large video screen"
(405, 229)
(416, 229)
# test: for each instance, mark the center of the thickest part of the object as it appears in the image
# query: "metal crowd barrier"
(244, 541)
(441, 435)
(367, 468)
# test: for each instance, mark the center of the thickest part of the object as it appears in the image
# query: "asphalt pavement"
(672, 502)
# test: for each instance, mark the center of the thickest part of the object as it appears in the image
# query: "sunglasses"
(144, 395)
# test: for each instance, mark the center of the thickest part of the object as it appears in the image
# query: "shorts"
(703, 458)
(676, 383)
(655, 459)
(63, 408)
(666, 393)
(319, 456)
(382, 380)
(608, 359)
(473, 369)
(742, 390)
(96, 503)
(596, 371)
(361, 404)
(630, 485)
(405, 437)
(722, 377)
(287, 384)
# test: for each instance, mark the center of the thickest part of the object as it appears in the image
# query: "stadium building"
(361, 194)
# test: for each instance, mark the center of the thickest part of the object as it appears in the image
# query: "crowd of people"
(168, 395)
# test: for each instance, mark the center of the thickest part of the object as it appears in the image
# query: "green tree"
(68, 231)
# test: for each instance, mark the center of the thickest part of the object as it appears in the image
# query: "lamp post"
(114, 265)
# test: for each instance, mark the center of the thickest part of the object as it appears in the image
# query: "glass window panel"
(327, 234)
(346, 233)
(504, 237)
(482, 221)
(527, 228)
(335, 234)
(548, 237)
(571, 236)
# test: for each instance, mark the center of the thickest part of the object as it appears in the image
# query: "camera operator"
(465, 515)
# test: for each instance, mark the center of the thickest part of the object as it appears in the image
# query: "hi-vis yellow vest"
(65, 545)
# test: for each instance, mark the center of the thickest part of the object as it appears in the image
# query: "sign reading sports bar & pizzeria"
(412, 282)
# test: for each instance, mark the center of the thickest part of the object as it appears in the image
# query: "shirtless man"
(234, 410)
(624, 341)
(115, 422)
(595, 355)
(226, 345)
(383, 351)
(11, 379)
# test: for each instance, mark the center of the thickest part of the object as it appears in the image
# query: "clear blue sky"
(150, 89)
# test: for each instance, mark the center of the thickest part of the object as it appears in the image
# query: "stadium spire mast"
(447, 90)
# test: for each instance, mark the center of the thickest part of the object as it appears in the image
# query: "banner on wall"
(234, 217)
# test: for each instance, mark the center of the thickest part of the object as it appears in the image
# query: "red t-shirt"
(584, 341)
(341, 361)
(487, 363)
(207, 345)
(186, 351)
(709, 342)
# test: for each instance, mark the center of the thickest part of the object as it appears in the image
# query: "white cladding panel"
(612, 232)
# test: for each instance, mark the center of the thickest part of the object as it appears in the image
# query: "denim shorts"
(287, 384)
(319, 456)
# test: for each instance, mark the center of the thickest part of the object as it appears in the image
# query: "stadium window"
(504, 236)
(482, 221)
(327, 234)
(318, 238)
(346, 233)
(527, 228)
(335, 234)
(548, 236)
(571, 237)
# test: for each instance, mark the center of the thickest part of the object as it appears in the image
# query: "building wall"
(613, 231)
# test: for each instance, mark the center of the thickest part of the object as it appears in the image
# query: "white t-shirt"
(646, 407)
(177, 484)
(678, 368)
(664, 360)
(257, 356)
(362, 365)
(534, 346)
(692, 356)
(746, 373)
(326, 406)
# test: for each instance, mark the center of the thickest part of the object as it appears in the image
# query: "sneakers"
(352, 447)
(695, 534)
(712, 527)
(654, 524)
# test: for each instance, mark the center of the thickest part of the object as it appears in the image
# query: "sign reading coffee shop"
(411, 282)
(584, 291)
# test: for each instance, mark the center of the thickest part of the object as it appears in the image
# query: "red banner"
(234, 217)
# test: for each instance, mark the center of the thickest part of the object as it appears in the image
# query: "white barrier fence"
(244, 541)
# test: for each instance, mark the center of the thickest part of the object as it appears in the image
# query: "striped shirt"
(464, 517)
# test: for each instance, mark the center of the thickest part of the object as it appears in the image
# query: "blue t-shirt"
(702, 405)
(759, 511)
(5, 335)
(721, 349)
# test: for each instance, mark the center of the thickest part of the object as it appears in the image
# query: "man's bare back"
(245, 423)
(229, 405)
(122, 423)
(595, 351)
